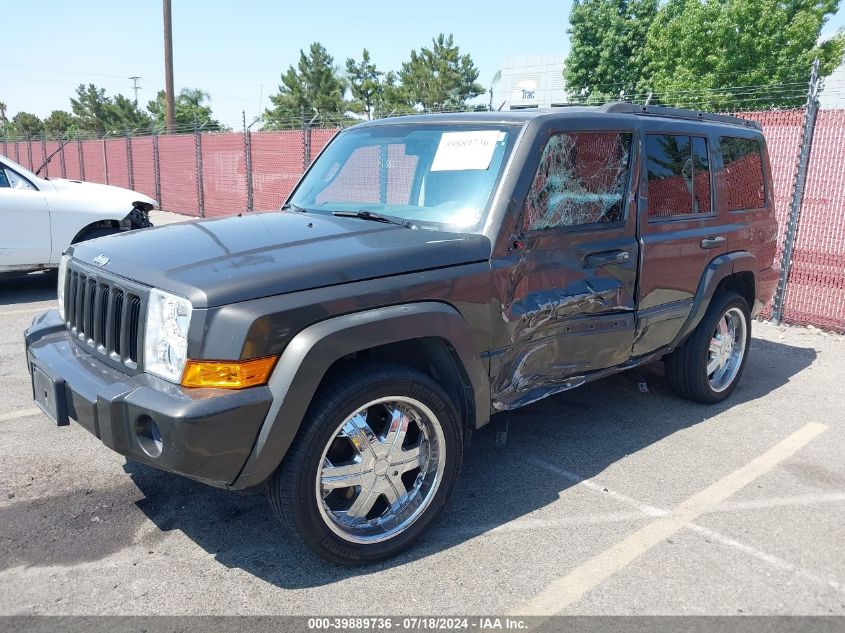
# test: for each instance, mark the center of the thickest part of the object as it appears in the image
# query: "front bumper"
(205, 434)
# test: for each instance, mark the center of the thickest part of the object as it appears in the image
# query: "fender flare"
(310, 353)
(717, 270)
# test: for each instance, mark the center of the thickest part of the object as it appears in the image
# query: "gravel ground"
(604, 500)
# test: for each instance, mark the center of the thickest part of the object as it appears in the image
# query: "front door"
(574, 286)
(681, 230)
(25, 238)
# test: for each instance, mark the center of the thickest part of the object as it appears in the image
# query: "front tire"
(708, 366)
(373, 466)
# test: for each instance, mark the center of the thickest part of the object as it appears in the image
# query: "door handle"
(713, 242)
(605, 259)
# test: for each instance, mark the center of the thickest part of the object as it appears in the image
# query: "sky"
(236, 51)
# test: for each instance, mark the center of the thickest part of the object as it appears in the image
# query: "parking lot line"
(642, 508)
(568, 589)
(21, 413)
(771, 559)
(784, 502)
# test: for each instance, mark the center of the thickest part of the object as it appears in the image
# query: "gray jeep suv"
(425, 273)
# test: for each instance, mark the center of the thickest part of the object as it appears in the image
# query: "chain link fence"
(213, 174)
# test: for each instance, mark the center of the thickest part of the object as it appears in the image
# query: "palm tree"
(194, 96)
(2, 111)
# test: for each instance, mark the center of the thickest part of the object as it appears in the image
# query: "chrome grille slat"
(124, 331)
(88, 325)
(105, 315)
(108, 327)
(117, 333)
(80, 293)
(134, 326)
(70, 299)
(100, 311)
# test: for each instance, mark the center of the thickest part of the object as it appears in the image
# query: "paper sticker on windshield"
(465, 150)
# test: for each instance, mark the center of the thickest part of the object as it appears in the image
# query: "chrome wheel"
(381, 469)
(727, 349)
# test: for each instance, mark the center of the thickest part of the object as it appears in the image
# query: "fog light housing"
(228, 374)
(149, 436)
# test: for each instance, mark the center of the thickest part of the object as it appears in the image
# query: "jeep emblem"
(101, 260)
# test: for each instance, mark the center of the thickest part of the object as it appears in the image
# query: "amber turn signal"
(228, 374)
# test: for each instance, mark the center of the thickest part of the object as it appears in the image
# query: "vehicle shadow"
(17, 288)
(582, 431)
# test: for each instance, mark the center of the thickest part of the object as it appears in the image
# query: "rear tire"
(708, 366)
(374, 464)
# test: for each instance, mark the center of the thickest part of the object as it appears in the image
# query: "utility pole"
(170, 106)
(135, 87)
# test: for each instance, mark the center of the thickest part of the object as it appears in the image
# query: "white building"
(530, 82)
(833, 89)
(833, 86)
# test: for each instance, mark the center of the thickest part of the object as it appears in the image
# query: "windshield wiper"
(372, 216)
(290, 206)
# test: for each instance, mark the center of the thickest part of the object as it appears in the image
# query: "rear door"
(25, 233)
(574, 287)
(681, 229)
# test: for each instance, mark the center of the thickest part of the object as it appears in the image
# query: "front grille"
(104, 315)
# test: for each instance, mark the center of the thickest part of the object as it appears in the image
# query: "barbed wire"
(730, 99)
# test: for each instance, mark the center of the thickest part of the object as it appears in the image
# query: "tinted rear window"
(743, 173)
(678, 175)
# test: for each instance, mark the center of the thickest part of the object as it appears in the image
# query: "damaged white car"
(41, 217)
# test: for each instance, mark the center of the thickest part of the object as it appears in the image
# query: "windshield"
(435, 175)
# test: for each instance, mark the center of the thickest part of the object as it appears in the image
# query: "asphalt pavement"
(614, 498)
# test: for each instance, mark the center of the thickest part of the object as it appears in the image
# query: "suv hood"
(216, 262)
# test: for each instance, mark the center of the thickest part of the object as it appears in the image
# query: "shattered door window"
(581, 180)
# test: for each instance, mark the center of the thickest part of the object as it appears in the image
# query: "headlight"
(61, 288)
(166, 335)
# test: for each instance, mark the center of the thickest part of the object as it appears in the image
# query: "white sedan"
(41, 217)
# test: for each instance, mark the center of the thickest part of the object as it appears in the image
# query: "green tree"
(365, 84)
(394, 96)
(99, 113)
(7, 128)
(190, 109)
(607, 47)
(313, 87)
(699, 51)
(124, 115)
(91, 107)
(60, 122)
(27, 125)
(439, 77)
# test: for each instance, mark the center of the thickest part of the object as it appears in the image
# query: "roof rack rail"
(620, 107)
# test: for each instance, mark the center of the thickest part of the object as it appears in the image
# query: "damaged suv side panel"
(570, 282)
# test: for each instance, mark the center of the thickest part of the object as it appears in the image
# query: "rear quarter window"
(679, 177)
(743, 160)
